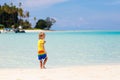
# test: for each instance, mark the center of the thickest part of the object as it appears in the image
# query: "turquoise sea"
(64, 48)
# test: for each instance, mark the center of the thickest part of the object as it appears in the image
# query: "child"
(42, 56)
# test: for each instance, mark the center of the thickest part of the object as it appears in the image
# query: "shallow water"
(63, 48)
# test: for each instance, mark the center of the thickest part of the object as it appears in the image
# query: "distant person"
(42, 55)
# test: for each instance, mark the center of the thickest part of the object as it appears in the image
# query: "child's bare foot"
(44, 67)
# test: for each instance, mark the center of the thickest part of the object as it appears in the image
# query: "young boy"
(42, 56)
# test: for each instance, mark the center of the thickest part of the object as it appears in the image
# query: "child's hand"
(44, 41)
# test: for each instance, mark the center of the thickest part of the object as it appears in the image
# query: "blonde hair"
(41, 34)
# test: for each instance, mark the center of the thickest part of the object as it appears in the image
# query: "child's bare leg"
(45, 62)
(41, 65)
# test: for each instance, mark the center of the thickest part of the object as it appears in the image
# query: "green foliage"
(41, 24)
(49, 22)
(8, 15)
(45, 24)
(12, 15)
(26, 25)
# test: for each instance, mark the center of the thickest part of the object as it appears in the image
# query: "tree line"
(10, 15)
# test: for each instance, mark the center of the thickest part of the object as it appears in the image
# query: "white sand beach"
(95, 72)
(33, 31)
(37, 30)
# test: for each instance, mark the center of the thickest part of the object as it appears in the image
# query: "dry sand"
(95, 72)
(32, 31)
(38, 30)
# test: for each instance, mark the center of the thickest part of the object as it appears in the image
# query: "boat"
(19, 31)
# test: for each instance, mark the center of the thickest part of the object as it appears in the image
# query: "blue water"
(64, 49)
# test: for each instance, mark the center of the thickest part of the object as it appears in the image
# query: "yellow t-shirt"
(41, 46)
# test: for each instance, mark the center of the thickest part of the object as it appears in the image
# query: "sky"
(74, 14)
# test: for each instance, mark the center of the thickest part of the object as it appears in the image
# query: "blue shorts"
(43, 56)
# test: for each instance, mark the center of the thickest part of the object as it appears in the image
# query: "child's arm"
(42, 45)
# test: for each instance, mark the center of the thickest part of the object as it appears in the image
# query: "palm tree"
(11, 4)
(5, 9)
(20, 11)
(20, 4)
(27, 15)
(49, 22)
(1, 9)
(35, 20)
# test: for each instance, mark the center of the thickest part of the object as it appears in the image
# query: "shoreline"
(69, 31)
(72, 30)
(93, 72)
(38, 31)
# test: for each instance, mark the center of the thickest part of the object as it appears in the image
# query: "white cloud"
(41, 3)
